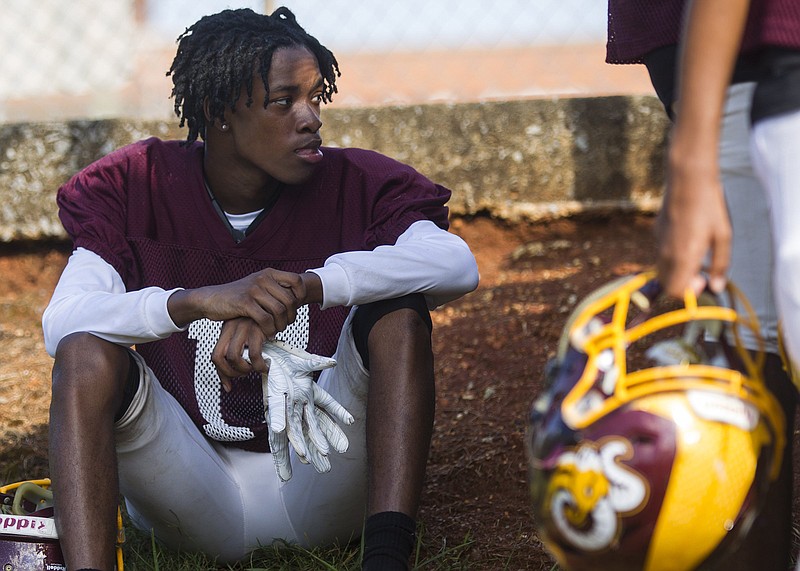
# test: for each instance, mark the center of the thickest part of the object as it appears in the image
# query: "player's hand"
(299, 410)
(693, 223)
(229, 352)
(269, 297)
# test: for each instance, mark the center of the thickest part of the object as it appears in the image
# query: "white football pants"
(198, 495)
(751, 266)
(777, 160)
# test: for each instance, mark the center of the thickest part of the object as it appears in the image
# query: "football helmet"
(28, 538)
(655, 439)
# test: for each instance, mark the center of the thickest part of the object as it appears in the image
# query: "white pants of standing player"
(775, 155)
(198, 495)
(751, 265)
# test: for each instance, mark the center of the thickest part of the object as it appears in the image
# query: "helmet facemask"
(655, 430)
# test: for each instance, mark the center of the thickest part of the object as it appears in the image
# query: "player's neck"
(238, 194)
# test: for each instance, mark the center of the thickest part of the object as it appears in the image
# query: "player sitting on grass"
(200, 254)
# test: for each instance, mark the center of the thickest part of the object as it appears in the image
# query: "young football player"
(200, 254)
(640, 32)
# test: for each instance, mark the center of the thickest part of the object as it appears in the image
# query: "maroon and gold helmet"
(655, 440)
(28, 538)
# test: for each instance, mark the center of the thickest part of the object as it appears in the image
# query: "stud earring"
(224, 126)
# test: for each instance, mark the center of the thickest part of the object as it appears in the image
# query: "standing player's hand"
(693, 223)
(299, 411)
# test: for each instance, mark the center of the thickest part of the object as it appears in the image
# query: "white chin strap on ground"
(298, 411)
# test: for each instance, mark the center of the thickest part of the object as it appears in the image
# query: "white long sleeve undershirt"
(90, 295)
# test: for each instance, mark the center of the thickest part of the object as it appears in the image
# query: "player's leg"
(89, 375)
(775, 156)
(751, 265)
(768, 544)
(399, 427)
(387, 347)
(401, 404)
(330, 507)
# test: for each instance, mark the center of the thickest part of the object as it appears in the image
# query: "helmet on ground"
(28, 538)
(655, 439)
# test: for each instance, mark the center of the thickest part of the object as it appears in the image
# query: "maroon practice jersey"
(636, 27)
(144, 209)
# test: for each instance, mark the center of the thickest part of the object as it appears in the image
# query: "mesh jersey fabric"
(636, 27)
(773, 23)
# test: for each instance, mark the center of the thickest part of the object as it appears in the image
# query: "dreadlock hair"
(220, 53)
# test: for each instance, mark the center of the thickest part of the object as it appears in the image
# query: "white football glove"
(298, 410)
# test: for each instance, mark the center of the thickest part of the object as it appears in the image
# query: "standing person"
(199, 254)
(649, 33)
(695, 222)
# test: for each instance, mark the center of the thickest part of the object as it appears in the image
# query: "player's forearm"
(90, 297)
(425, 260)
(709, 46)
(184, 306)
(125, 319)
(313, 287)
(268, 291)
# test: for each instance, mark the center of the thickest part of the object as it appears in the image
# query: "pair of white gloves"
(298, 410)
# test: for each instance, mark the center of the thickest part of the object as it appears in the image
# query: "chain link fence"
(88, 59)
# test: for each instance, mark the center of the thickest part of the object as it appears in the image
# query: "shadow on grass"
(143, 553)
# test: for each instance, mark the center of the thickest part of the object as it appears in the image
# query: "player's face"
(282, 139)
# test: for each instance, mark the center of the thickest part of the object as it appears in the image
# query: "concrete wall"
(516, 159)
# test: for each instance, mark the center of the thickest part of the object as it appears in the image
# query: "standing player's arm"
(694, 217)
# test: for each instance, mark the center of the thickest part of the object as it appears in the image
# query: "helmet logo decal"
(590, 490)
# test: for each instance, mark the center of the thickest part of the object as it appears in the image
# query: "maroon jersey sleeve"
(125, 194)
(388, 195)
(92, 207)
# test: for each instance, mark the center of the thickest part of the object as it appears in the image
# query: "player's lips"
(310, 152)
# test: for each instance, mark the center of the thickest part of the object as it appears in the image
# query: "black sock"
(389, 539)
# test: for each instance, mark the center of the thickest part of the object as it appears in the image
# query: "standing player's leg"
(774, 157)
(768, 544)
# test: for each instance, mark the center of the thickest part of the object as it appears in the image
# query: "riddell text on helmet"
(28, 525)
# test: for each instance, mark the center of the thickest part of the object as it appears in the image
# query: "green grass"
(142, 553)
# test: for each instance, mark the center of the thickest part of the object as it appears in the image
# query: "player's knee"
(88, 365)
(405, 317)
(406, 325)
(397, 322)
